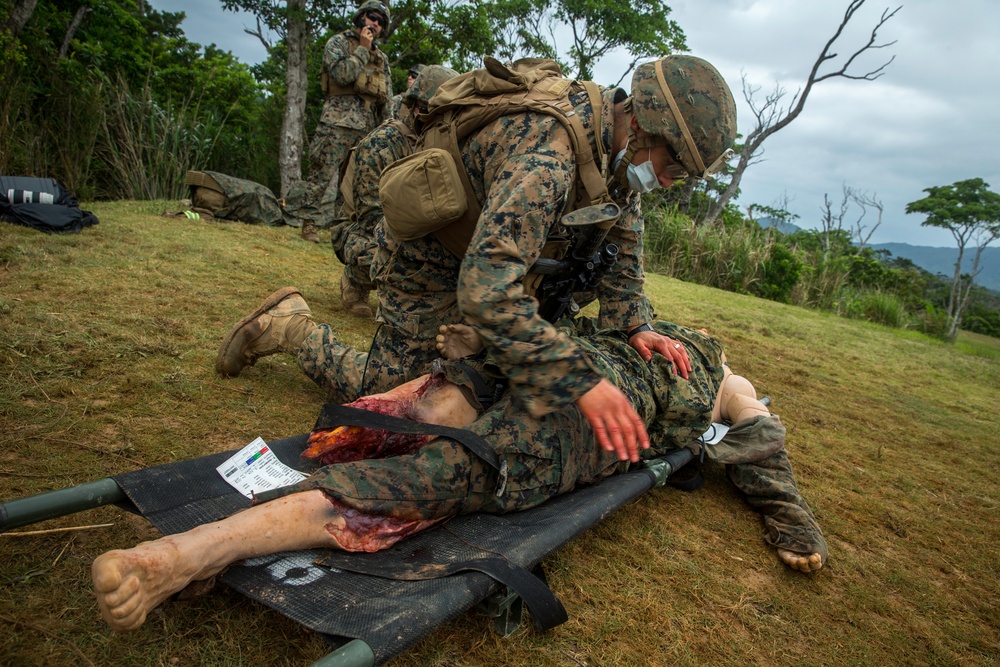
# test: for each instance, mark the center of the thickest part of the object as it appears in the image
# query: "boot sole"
(269, 303)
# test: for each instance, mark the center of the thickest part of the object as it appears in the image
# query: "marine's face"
(668, 170)
(374, 21)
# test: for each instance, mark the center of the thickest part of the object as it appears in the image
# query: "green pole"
(52, 504)
(354, 653)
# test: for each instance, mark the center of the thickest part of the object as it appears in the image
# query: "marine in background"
(357, 89)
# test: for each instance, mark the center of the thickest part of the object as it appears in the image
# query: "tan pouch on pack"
(421, 193)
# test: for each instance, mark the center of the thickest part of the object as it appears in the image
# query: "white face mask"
(642, 178)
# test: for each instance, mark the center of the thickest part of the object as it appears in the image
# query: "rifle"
(584, 269)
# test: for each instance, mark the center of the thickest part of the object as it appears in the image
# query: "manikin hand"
(616, 424)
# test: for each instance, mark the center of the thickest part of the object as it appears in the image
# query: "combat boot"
(354, 298)
(309, 231)
(280, 324)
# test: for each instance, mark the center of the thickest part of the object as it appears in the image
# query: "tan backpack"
(430, 192)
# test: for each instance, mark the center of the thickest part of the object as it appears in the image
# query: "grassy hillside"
(107, 343)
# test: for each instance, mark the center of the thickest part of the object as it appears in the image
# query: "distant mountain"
(934, 260)
(774, 223)
(942, 260)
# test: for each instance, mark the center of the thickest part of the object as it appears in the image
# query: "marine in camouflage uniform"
(392, 140)
(357, 86)
(522, 170)
(542, 457)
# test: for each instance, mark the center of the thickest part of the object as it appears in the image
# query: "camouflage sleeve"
(623, 302)
(379, 149)
(341, 63)
(528, 167)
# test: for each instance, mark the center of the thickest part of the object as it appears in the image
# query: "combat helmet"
(687, 106)
(372, 6)
(425, 85)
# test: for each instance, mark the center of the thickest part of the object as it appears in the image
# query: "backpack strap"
(458, 123)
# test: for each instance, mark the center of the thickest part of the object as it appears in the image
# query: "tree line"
(111, 99)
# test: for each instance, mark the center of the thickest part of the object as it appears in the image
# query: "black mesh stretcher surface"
(321, 589)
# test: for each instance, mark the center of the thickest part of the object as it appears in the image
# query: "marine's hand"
(616, 424)
(648, 342)
(366, 36)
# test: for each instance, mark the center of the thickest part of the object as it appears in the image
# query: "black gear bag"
(43, 204)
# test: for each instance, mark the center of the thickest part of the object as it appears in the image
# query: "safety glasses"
(372, 16)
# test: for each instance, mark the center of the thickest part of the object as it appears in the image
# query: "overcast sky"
(925, 122)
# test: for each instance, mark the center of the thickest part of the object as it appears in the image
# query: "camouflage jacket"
(344, 60)
(522, 169)
(383, 146)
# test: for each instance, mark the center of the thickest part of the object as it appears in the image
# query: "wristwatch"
(639, 329)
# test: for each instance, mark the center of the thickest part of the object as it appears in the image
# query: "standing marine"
(357, 88)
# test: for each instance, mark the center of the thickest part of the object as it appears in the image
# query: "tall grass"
(52, 135)
(875, 305)
(729, 258)
(149, 147)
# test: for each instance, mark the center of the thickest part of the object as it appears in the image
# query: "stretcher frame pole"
(52, 504)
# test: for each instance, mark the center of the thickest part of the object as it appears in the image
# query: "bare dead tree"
(74, 25)
(859, 229)
(771, 117)
(832, 220)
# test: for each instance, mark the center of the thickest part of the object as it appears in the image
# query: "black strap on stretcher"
(546, 609)
(334, 415)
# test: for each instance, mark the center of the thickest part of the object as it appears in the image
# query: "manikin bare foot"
(132, 582)
(800, 562)
(455, 341)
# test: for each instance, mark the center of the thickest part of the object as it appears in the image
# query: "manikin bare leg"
(130, 583)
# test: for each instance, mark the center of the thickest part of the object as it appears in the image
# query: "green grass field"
(107, 346)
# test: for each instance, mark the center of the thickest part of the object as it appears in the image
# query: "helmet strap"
(685, 132)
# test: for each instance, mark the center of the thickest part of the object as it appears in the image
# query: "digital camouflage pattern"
(703, 99)
(522, 168)
(346, 374)
(389, 142)
(246, 201)
(542, 457)
(347, 117)
(392, 140)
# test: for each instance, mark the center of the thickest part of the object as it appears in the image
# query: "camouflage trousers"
(316, 198)
(769, 486)
(347, 374)
(355, 250)
(540, 459)
(546, 456)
